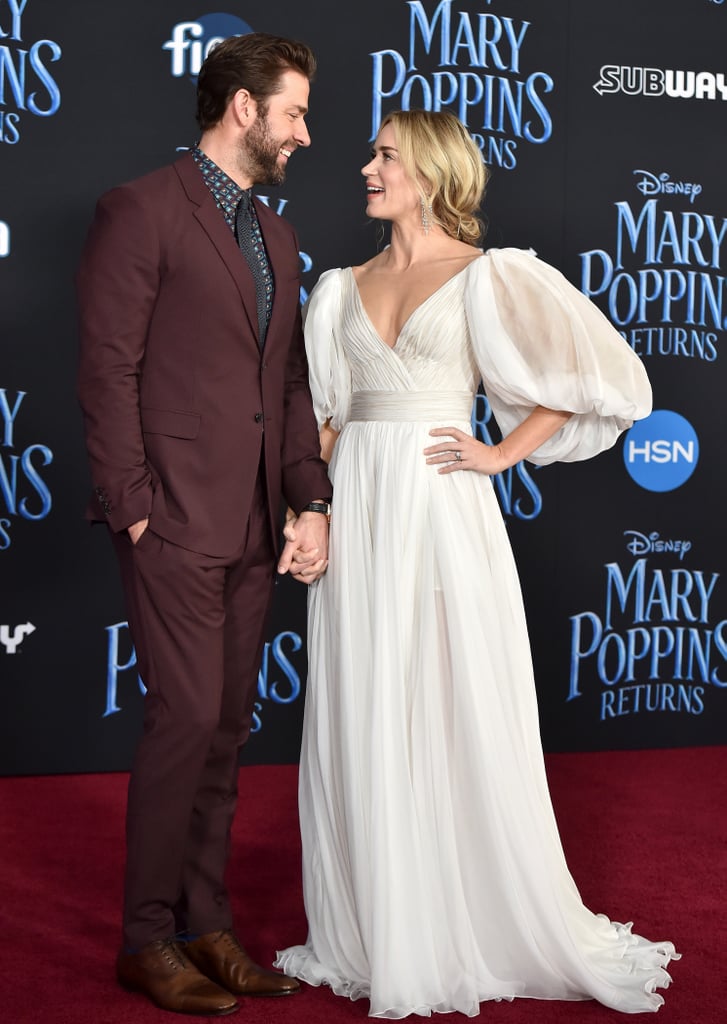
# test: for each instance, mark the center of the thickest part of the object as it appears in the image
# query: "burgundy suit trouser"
(198, 626)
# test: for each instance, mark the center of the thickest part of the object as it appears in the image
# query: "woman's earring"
(426, 215)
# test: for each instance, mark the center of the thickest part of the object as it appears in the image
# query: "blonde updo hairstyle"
(438, 154)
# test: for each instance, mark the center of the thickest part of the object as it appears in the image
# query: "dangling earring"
(426, 215)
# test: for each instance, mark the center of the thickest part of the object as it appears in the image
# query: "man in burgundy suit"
(194, 387)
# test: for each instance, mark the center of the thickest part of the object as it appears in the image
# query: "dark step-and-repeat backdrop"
(604, 126)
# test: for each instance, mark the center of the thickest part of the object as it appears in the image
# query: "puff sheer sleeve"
(539, 341)
(330, 375)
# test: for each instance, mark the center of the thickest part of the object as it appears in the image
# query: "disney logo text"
(654, 185)
(640, 544)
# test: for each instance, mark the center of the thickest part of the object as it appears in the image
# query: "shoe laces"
(171, 952)
(231, 941)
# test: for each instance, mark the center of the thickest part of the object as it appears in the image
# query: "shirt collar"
(225, 192)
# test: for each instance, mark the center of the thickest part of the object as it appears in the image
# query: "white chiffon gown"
(434, 876)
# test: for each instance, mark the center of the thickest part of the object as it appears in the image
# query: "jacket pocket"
(171, 423)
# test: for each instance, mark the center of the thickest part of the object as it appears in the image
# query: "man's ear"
(243, 108)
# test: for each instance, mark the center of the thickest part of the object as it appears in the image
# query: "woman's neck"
(410, 245)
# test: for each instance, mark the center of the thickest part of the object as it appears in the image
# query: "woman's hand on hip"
(463, 452)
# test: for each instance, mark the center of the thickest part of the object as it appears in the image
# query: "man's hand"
(305, 554)
(136, 529)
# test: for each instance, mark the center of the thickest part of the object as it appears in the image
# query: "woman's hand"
(305, 555)
(463, 451)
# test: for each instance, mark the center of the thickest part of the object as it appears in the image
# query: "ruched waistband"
(411, 405)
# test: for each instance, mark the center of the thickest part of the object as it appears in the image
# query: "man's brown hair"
(254, 62)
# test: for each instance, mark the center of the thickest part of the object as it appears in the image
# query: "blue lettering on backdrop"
(661, 184)
(270, 687)
(114, 665)
(306, 261)
(486, 89)
(306, 265)
(642, 544)
(26, 84)
(23, 492)
(271, 690)
(663, 272)
(655, 647)
(519, 474)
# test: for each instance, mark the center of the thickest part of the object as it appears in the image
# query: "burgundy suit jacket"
(178, 401)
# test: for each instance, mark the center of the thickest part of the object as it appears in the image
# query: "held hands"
(462, 451)
(305, 554)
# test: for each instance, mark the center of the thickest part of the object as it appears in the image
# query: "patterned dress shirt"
(227, 195)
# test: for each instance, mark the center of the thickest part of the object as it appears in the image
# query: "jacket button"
(258, 417)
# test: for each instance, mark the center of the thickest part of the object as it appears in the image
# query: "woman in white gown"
(434, 876)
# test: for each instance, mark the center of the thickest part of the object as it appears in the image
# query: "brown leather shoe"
(163, 973)
(220, 956)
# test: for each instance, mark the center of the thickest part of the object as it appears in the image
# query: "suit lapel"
(283, 260)
(215, 226)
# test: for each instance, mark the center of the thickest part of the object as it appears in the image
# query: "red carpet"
(644, 832)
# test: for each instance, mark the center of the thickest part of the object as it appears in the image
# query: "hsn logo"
(662, 451)
(191, 41)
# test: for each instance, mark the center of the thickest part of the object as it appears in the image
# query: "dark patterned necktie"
(250, 240)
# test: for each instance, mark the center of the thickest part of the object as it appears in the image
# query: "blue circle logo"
(217, 27)
(662, 451)
(191, 41)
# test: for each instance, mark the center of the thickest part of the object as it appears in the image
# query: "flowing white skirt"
(434, 876)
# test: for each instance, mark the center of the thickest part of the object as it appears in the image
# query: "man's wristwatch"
(319, 506)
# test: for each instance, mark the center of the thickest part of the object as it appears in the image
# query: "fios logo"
(687, 85)
(662, 451)
(191, 41)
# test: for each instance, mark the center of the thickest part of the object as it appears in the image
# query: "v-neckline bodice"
(422, 304)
